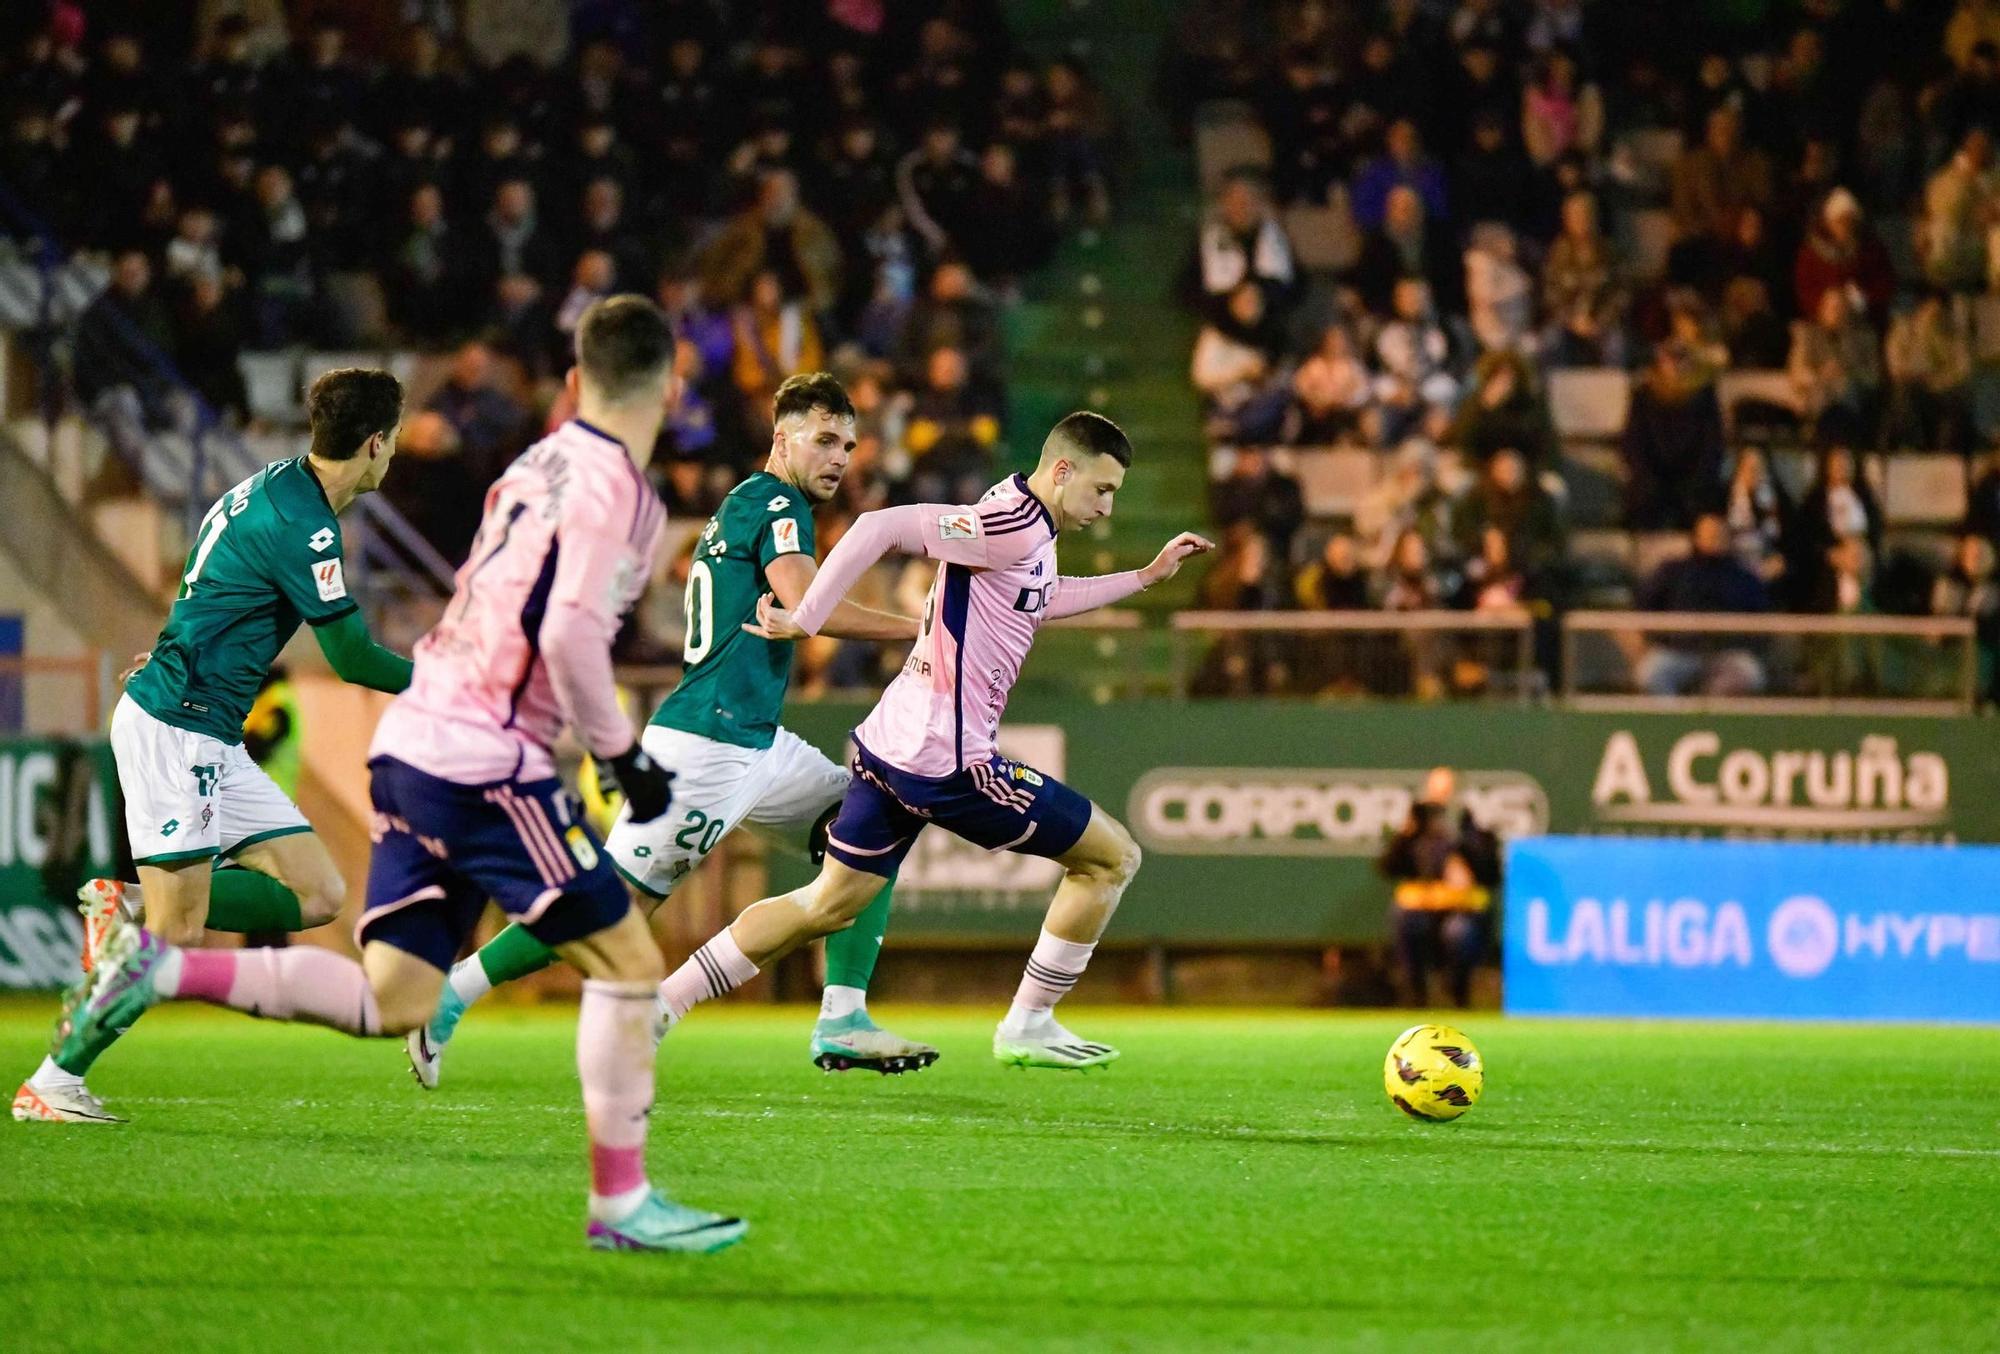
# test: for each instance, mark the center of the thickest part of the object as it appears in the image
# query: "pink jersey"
(564, 550)
(996, 583)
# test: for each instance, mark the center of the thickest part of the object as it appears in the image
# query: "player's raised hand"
(1168, 562)
(773, 621)
(139, 661)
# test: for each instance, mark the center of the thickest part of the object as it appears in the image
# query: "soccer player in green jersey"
(266, 558)
(718, 733)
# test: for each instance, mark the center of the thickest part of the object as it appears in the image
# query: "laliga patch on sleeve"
(785, 536)
(958, 526)
(328, 579)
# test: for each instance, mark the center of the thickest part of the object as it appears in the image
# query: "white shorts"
(718, 787)
(189, 796)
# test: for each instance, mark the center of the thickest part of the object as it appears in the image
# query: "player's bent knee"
(184, 931)
(321, 900)
(832, 906)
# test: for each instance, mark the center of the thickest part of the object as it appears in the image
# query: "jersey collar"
(1021, 483)
(289, 494)
(596, 431)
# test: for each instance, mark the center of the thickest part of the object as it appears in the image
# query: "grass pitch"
(1237, 1181)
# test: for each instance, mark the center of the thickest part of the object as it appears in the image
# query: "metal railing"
(1424, 653)
(188, 466)
(1769, 664)
(72, 700)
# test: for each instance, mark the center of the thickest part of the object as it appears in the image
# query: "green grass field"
(1237, 1181)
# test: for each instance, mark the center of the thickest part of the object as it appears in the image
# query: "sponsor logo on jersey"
(329, 580)
(778, 503)
(958, 526)
(321, 539)
(785, 536)
(1034, 599)
(580, 847)
(170, 827)
(1026, 773)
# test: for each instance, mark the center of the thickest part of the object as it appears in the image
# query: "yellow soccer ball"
(1433, 1072)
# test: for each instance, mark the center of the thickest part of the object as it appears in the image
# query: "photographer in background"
(1446, 875)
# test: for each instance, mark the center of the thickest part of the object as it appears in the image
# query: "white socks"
(49, 1077)
(468, 979)
(838, 1002)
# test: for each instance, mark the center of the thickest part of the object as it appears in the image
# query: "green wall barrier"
(1261, 820)
(57, 820)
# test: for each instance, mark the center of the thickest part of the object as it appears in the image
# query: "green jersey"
(733, 688)
(267, 556)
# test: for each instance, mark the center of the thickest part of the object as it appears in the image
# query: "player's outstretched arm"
(358, 659)
(1074, 595)
(791, 578)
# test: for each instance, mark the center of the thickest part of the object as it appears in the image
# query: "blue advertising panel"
(1603, 926)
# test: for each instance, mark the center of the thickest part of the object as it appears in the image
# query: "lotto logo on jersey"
(332, 584)
(958, 526)
(321, 539)
(785, 536)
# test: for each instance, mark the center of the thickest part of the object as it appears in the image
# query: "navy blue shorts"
(998, 804)
(442, 849)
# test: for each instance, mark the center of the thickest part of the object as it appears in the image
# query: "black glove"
(648, 787)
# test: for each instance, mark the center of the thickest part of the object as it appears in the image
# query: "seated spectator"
(1839, 504)
(951, 433)
(1712, 184)
(122, 337)
(1240, 241)
(1409, 497)
(1507, 498)
(1753, 251)
(1672, 445)
(511, 241)
(279, 262)
(1967, 588)
(1841, 253)
(603, 227)
(1402, 164)
(1241, 663)
(1446, 876)
(1844, 665)
(779, 236)
(1506, 409)
(1009, 233)
(1959, 207)
(1758, 512)
(1843, 586)
(434, 488)
(1416, 390)
(1494, 579)
(594, 278)
(1560, 113)
(1499, 294)
(1757, 339)
(938, 184)
(1078, 129)
(208, 347)
(1336, 580)
(1410, 581)
(1257, 493)
(1836, 370)
(775, 336)
(427, 283)
(1493, 180)
(1929, 359)
(490, 428)
(1694, 332)
(953, 312)
(192, 253)
(1406, 245)
(1583, 293)
(518, 322)
(1710, 579)
(1234, 368)
(1330, 391)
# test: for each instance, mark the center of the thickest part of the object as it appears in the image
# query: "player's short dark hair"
(349, 405)
(623, 343)
(1086, 435)
(810, 390)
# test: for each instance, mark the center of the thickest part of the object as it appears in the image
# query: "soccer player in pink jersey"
(467, 803)
(927, 753)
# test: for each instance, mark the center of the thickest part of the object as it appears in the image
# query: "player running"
(467, 804)
(926, 754)
(267, 556)
(718, 733)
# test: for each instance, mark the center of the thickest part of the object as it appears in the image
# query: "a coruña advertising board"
(56, 825)
(1261, 820)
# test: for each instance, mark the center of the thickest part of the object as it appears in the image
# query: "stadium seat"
(1595, 478)
(1324, 239)
(1924, 488)
(1333, 479)
(1766, 387)
(1651, 549)
(1227, 137)
(1795, 470)
(1650, 235)
(272, 380)
(1932, 548)
(1590, 402)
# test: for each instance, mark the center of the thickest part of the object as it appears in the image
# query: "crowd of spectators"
(830, 185)
(1815, 186)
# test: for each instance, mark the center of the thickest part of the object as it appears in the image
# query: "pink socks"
(1052, 971)
(717, 967)
(304, 983)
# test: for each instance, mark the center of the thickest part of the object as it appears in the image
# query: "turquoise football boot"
(851, 1042)
(660, 1224)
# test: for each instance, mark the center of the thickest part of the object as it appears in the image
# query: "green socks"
(244, 900)
(513, 954)
(851, 954)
